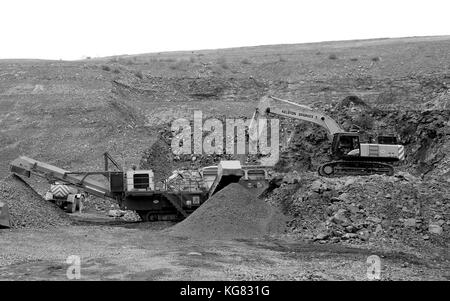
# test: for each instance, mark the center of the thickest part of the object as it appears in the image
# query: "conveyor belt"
(25, 166)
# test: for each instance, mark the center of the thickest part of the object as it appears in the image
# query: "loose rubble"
(362, 209)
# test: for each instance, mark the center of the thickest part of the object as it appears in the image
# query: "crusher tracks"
(354, 168)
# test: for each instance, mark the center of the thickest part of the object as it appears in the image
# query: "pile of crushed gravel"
(234, 212)
(27, 209)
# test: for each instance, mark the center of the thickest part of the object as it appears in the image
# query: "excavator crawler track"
(354, 168)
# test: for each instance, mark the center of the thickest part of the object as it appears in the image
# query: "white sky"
(70, 29)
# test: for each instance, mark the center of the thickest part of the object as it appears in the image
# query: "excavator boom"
(281, 107)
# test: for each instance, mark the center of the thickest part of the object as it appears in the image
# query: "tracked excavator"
(350, 155)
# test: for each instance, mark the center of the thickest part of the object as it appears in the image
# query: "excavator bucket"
(4, 216)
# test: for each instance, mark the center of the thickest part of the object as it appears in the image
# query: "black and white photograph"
(224, 146)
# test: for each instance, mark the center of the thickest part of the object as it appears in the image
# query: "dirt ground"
(115, 250)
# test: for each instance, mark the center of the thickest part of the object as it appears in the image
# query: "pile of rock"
(27, 208)
(161, 158)
(233, 212)
(360, 209)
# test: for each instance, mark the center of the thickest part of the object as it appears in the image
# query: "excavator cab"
(345, 145)
(387, 139)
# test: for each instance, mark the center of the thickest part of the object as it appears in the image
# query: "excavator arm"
(281, 107)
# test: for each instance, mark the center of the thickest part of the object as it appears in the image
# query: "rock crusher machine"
(136, 189)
